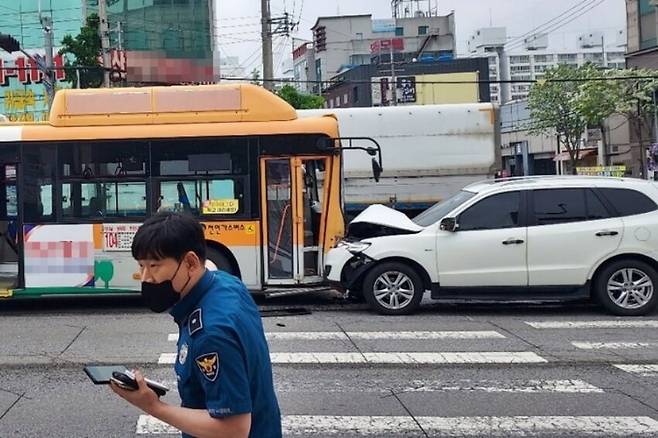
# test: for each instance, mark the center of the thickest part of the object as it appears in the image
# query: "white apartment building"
(530, 61)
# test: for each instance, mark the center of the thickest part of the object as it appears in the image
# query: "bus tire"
(219, 261)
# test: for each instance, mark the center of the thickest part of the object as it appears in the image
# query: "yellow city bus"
(265, 185)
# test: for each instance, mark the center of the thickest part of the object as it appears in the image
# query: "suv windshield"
(439, 210)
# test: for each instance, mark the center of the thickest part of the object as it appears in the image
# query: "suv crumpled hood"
(379, 220)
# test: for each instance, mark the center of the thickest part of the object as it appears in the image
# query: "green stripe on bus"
(42, 291)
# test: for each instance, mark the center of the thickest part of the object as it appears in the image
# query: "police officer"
(223, 366)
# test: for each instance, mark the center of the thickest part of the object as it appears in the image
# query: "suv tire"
(627, 287)
(393, 288)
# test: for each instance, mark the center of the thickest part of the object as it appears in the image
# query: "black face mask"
(162, 296)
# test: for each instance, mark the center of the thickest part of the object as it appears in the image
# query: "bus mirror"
(376, 169)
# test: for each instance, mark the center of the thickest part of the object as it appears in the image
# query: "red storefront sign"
(385, 45)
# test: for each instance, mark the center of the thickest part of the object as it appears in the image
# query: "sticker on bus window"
(220, 206)
(118, 237)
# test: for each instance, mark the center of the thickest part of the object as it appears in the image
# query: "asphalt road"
(341, 371)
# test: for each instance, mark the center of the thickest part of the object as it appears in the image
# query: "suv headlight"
(354, 247)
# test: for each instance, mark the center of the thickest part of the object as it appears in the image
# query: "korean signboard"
(22, 93)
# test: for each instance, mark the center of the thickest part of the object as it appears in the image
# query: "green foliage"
(300, 100)
(553, 106)
(570, 100)
(85, 49)
(255, 77)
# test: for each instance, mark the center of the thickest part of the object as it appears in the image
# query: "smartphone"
(101, 374)
(126, 379)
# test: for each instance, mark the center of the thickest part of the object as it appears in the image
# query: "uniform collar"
(189, 302)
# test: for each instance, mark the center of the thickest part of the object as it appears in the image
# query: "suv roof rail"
(513, 179)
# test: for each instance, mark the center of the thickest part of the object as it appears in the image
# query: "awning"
(564, 156)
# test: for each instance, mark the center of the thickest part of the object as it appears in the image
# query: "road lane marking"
(647, 370)
(309, 425)
(486, 357)
(613, 345)
(402, 335)
(649, 323)
(463, 385)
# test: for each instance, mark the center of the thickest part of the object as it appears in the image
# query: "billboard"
(23, 95)
(426, 89)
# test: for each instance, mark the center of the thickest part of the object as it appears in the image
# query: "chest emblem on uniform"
(182, 354)
(209, 365)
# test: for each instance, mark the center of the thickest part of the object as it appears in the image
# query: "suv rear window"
(628, 202)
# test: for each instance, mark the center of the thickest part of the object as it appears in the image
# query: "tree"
(553, 105)
(86, 50)
(635, 101)
(599, 98)
(255, 77)
(300, 100)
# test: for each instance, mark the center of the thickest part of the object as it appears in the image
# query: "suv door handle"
(606, 233)
(512, 242)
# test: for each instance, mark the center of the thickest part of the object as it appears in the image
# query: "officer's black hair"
(169, 235)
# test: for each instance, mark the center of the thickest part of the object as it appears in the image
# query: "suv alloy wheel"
(627, 287)
(393, 288)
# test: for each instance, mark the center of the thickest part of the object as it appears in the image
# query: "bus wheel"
(218, 261)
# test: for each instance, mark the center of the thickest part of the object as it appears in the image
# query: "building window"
(422, 30)
(544, 58)
(647, 24)
(523, 59)
(567, 57)
(399, 31)
(355, 94)
(320, 39)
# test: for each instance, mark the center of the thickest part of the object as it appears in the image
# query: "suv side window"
(492, 213)
(628, 202)
(558, 206)
(595, 208)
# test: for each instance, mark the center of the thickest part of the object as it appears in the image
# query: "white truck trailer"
(428, 152)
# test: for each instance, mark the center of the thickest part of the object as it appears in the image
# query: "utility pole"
(266, 35)
(394, 84)
(49, 76)
(283, 27)
(105, 41)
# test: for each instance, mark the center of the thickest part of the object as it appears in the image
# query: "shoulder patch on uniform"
(195, 323)
(209, 365)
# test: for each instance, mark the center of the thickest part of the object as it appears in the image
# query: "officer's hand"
(143, 397)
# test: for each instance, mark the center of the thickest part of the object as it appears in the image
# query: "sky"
(238, 22)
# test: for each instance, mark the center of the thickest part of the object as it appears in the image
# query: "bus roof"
(168, 105)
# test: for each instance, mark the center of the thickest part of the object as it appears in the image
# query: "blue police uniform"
(223, 363)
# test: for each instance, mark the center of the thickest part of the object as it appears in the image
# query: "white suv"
(534, 238)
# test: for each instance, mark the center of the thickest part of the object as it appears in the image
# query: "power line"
(579, 4)
(564, 23)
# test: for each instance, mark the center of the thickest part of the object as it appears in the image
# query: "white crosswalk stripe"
(646, 370)
(476, 426)
(613, 345)
(483, 357)
(403, 335)
(308, 425)
(593, 324)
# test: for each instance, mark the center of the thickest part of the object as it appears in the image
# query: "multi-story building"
(22, 93)
(165, 41)
(342, 42)
(303, 58)
(642, 25)
(530, 62)
(161, 42)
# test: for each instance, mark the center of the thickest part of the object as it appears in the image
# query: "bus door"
(292, 205)
(8, 227)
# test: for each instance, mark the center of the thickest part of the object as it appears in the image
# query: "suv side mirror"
(449, 224)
